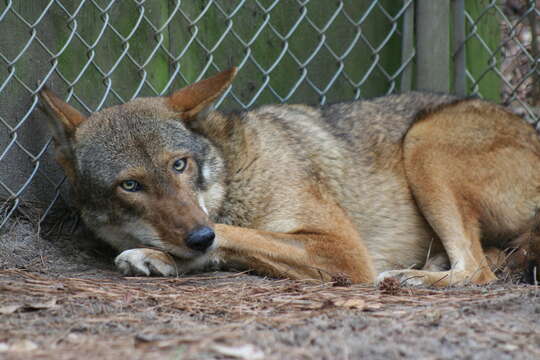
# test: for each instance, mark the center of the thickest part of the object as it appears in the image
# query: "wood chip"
(359, 304)
(10, 309)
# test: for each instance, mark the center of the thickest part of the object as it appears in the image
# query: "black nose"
(200, 239)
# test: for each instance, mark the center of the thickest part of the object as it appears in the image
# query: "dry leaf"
(23, 345)
(373, 307)
(510, 347)
(359, 304)
(247, 352)
(10, 309)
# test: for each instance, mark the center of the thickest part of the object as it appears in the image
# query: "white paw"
(405, 277)
(145, 262)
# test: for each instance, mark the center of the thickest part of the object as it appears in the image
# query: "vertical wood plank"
(480, 59)
(433, 45)
(298, 41)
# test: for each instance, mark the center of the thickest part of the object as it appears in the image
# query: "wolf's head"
(139, 174)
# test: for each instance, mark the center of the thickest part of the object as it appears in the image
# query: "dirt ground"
(62, 299)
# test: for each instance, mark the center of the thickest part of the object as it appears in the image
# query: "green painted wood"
(260, 55)
(142, 43)
(128, 72)
(75, 56)
(478, 57)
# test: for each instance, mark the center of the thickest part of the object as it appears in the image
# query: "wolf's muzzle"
(200, 239)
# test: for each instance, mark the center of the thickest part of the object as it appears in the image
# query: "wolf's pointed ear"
(193, 99)
(64, 117)
(64, 120)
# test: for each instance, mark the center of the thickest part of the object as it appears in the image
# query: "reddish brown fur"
(466, 182)
(194, 98)
(172, 218)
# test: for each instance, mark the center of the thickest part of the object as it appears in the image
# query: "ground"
(61, 299)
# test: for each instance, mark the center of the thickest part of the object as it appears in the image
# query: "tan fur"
(413, 186)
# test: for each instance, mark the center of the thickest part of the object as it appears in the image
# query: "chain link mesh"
(100, 53)
(97, 53)
(506, 65)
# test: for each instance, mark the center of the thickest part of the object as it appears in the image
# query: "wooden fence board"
(479, 59)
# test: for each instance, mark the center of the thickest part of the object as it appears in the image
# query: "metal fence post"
(433, 45)
(407, 48)
(458, 47)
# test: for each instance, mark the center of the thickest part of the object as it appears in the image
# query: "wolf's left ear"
(193, 99)
(64, 118)
(63, 122)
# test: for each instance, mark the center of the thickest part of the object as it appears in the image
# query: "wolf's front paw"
(145, 262)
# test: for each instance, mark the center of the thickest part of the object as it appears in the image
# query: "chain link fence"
(97, 53)
(504, 64)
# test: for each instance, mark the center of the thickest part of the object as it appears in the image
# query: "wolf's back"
(387, 118)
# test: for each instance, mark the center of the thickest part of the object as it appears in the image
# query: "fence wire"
(97, 53)
(506, 69)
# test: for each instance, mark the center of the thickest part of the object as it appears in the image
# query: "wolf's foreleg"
(144, 261)
(299, 255)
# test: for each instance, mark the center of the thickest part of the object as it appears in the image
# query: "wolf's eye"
(130, 185)
(180, 165)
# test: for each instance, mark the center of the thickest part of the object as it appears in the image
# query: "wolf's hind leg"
(458, 228)
(474, 172)
(461, 241)
(443, 199)
(456, 223)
